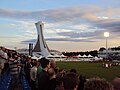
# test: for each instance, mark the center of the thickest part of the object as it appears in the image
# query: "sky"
(69, 25)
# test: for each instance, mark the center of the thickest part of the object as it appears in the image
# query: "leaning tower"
(41, 48)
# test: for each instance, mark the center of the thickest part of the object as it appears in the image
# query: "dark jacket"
(43, 81)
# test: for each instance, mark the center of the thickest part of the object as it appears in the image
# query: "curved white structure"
(41, 48)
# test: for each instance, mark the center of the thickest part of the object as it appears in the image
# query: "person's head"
(71, 81)
(3, 49)
(52, 63)
(73, 70)
(29, 59)
(61, 72)
(116, 83)
(0, 48)
(45, 63)
(59, 83)
(35, 63)
(56, 69)
(14, 56)
(97, 84)
(51, 73)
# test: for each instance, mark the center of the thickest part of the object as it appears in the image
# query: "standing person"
(52, 77)
(39, 69)
(71, 81)
(13, 65)
(28, 67)
(81, 83)
(97, 84)
(52, 64)
(7, 56)
(3, 58)
(116, 83)
(43, 77)
(33, 75)
(0, 69)
(59, 83)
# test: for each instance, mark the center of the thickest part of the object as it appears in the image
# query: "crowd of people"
(43, 74)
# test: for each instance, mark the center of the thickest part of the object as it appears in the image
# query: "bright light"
(106, 34)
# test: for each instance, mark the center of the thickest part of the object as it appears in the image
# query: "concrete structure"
(30, 49)
(41, 48)
(23, 51)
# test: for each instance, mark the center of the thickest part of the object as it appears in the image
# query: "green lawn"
(91, 69)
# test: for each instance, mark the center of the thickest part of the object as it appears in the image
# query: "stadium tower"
(41, 48)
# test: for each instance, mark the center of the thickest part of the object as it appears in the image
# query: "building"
(112, 53)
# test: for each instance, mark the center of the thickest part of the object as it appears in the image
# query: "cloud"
(81, 26)
(59, 39)
(76, 34)
(53, 15)
(72, 23)
(103, 17)
(28, 41)
(112, 25)
(26, 28)
(89, 14)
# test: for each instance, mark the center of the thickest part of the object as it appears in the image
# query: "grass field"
(91, 69)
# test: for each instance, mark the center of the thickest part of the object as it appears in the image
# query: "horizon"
(15, 48)
(69, 26)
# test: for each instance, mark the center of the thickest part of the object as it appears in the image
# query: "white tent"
(50, 56)
(57, 56)
(96, 58)
(63, 56)
(36, 58)
(84, 55)
(90, 56)
(79, 55)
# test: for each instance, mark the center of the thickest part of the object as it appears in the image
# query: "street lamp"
(106, 35)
